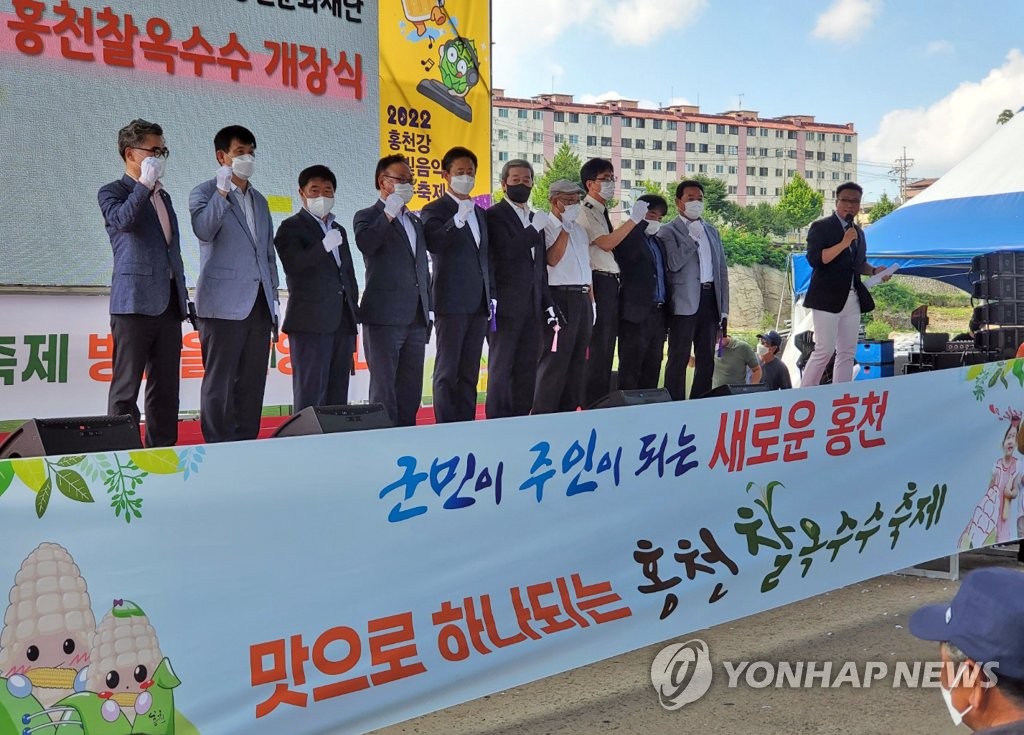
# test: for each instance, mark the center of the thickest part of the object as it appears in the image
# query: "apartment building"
(755, 156)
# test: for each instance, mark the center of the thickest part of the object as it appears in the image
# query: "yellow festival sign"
(435, 88)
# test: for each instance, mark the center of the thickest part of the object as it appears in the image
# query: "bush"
(877, 330)
(743, 247)
(894, 297)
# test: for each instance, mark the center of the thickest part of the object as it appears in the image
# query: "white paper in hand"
(332, 240)
(877, 278)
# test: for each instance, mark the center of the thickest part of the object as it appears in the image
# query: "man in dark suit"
(147, 289)
(516, 239)
(456, 231)
(396, 298)
(322, 294)
(642, 297)
(236, 296)
(836, 297)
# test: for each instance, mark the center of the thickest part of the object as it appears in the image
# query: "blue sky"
(929, 75)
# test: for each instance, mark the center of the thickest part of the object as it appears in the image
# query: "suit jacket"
(830, 282)
(638, 277)
(144, 262)
(463, 272)
(683, 267)
(397, 281)
(319, 292)
(520, 263)
(232, 265)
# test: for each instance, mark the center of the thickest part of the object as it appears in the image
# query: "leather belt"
(573, 289)
(607, 273)
(706, 286)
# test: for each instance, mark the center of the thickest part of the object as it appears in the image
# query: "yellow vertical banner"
(435, 88)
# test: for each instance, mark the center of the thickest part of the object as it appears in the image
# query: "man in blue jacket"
(147, 288)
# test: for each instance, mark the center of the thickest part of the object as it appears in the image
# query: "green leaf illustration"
(1018, 371)
(43, 498)
(70, 461)
(6, 475)
(73, 485)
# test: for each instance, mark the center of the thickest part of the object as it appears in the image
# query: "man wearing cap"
(560, 372)
(773, 373)
(981, 637)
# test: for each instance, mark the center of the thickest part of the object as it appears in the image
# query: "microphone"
(849, 223)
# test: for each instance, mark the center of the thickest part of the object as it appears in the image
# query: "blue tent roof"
(977, 207)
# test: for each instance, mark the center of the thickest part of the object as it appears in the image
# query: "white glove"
(638, 211)
(540, 221)
(393, 205)
(568, 217)
(466, 207)
(224, 179)
(594, 305)
(151, 170)
(332, 240)
(552, 320)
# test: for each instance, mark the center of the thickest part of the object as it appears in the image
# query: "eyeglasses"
(158, 152)
(849, 201)
(400, 179)
(602, 179)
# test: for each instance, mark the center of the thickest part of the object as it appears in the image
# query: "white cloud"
(940, 135)
(635, 22)
(846, 20)
(939, 48)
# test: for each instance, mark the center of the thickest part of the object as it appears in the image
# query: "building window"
(835, 157)
(821, 137)
(574, 117)
(764, 132)
(790, 172)
(690, 127)
(591, 140)
(778, 172)
(733, 150)
(538, 137)
(656, 124)
(522, 155)
(751, 190)
(734, 130)
(574, 140)
(559, 138)
(719, 168)
(780, 133)
(751, 151)
(689, 168)
(670, 125)
(808, 136)
(627, 163)
(702, 148)
(763, 171)
(638, 164)
(502, 112)
(791, 135)
(836, 138)
(655, 145)
(537, 158)
(849, 138)
(847, 177)
(640, 122)
(703, 127)
(720, 129)
(670, 166)
(779, 152)
(821, 155)
(559, 117)
(762, 152)
(791, 153)
(702, 168)
(751, 170)
(502, 134)
(732, 170)
(720, 149)
(835, 176)
(670, 145)
(627, 122)
(778, 191)
(502, 155)
(691, 147)
(538, 114)
(591, 119)
(606, 119)
(656, 165)
(627, 142)
(847, 158)
(521, 135)
(763, 191)
(606, 141)
(639, 144)
(522, 114)
(732, 189)
(821, 174)
(809, 155)
(626, 184)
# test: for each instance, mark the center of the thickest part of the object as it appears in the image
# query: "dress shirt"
(244, 200)
(407, 225)
(326, 227)
(700, 236)
(523, 211)
(574, 267)
(594, 218)
(474, 226)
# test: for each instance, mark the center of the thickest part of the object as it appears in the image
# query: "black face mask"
(519, 193)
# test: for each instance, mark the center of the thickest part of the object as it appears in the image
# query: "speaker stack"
(998, 279)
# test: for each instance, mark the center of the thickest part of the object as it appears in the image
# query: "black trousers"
(602, 341)
(321, 366)
(697, 333)
(149, 345)
(561, 374)
(236, 355)
(460, 342)
(641, 350)
(512, 354)
(394, 355)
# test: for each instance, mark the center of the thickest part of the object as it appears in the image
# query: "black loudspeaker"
(1000, 263)
(1005, 340)
(737, 389)
(334, 419)
(1001, 287)
(632, 398)
(76, 435)
(1000, 312)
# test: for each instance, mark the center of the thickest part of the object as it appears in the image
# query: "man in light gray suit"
(236, 294)
(698, 292)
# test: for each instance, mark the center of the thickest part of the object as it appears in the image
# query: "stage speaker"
(76, 435)
(1005, 340)
(1000, 263)
(1000, 313)
(736, 389)
(632, 398)
(334, 419)
(1000, 287)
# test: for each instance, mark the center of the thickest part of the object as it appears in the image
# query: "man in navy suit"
(456, 232)
(517, 248)
(836, 296)
(396, 307)
(236, 296)
(322, 294)
(147, 289)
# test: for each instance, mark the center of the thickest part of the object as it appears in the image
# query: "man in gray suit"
(396, 307)
(236, 296)
(147, 289)
(698, 292)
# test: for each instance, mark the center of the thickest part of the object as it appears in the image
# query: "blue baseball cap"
(772, 338)
(985, 620)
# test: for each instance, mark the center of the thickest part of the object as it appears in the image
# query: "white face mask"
(573, 210)
(463, 184)
(319, 207)
(161, 166)
(607, 189)
(404, 191)
(693, 209)
(762, 350)
(954, 713)
(653, 226)
(243, 166)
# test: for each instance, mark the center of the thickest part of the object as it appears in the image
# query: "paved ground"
(864, 622)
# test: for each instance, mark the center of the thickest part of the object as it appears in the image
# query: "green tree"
(1004, 117)
(714, 193)
(651, 187)
(743, 247)
(565, 165)
(882, 207)
(800, 204)
(764, 219)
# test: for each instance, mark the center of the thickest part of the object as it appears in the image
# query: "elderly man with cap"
(981, 636)
(562, 365)
(773, 373)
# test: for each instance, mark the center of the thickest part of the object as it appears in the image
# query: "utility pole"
(900, 169)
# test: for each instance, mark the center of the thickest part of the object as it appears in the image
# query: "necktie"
(608, 220)
(161, 213)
